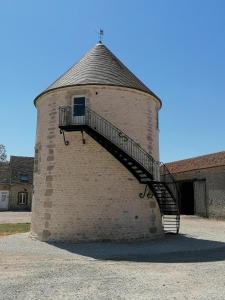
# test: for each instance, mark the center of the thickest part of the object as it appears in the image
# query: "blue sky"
(176, 47)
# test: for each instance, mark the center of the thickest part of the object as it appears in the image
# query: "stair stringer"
(109, 146)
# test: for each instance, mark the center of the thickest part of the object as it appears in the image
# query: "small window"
(79, 106)
(22, 198)
(24, 178)
(157, 119)
(4, 196)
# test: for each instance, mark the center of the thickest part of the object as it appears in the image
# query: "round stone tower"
(97, 129)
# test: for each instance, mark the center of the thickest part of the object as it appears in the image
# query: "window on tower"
(157, 119)
(79, 106)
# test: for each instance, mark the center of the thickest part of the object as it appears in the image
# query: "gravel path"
(188, 266)
(15, 217)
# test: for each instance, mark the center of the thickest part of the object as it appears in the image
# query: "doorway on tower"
(187, 204)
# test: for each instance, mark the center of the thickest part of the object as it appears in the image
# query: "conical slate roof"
(100, 66)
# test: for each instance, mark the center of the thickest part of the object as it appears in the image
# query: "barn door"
(4, 200)
(200, 198)
(78, 110)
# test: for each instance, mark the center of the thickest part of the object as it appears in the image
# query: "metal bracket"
(66, 142)
(149, 194)
(122, 136)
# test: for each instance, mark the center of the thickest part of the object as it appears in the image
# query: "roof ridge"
(206, 161)
(195, 157)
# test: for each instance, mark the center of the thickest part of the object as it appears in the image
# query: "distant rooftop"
(17, 170)
(199, 162)
(99, 66)
(4, 172)
(20, 166)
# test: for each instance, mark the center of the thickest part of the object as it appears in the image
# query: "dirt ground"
(13, 217)
(188, 266)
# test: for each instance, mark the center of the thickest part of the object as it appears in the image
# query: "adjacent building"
(16, 183)
(201, 182)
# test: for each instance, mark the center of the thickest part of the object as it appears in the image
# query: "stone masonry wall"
(4, 187)
(215, 188)
(81, 192)
(13, 196)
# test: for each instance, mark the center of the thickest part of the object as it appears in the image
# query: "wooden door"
(200, 198)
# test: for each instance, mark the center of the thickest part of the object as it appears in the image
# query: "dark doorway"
(79, 106)
(187, 198)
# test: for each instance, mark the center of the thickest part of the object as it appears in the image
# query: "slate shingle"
(21, 165)
(100, 66)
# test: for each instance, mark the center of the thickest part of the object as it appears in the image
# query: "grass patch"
(6, 229)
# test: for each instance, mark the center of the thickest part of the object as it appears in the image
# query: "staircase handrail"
(171, 181)
(115, 135)
(122, 140)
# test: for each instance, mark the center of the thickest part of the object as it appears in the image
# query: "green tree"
(3, 155)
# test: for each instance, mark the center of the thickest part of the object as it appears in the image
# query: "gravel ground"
(188, 266)
(15, 217)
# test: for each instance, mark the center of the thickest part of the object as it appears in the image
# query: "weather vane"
(100, 35)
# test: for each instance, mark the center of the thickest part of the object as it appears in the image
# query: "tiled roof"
(100, 66)
(4, 173)
(195, 163)
(21, 166)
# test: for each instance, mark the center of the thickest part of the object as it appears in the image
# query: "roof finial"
(100, 35)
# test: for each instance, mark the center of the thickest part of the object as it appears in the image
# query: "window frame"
(72, 101)
(25, 198)
(24, 180)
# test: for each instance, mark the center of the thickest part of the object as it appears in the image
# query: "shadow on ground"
(172, 249)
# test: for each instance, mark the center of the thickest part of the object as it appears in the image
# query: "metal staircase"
(156, 177)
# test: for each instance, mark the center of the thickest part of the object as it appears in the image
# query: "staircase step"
(145, 179)
(134, 167)
(169, 209)
(172, 221)
(143, 175)
(139, 171)
(170, 227)
(170, 203)
(163, 197)
(167, 200)
(169, 206)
